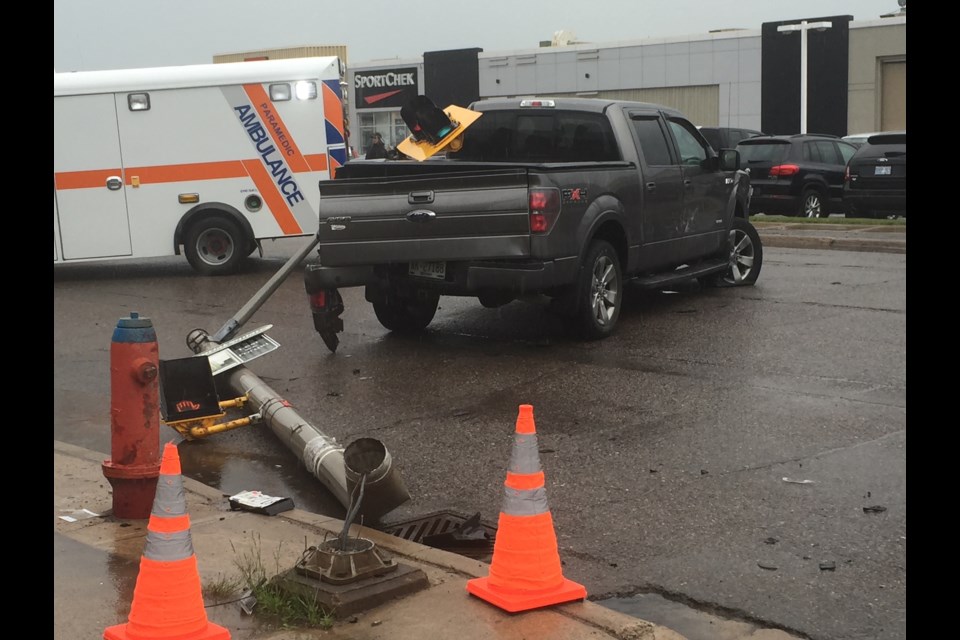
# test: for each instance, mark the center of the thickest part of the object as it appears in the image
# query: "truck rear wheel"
(215, 245)
(406, 314)
(599, 291)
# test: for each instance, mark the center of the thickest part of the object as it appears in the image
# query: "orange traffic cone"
(167, 601)
(525, 571)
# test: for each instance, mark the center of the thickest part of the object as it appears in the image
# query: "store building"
(376, 96)
(747, 78)
(733, 78)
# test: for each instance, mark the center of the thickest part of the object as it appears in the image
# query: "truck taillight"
(544, 209)
(318, 300)
(781, 170)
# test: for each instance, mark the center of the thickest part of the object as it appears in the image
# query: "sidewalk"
(844, 237)
(96, 561)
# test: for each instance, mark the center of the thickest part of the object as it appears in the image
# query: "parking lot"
(665, 447)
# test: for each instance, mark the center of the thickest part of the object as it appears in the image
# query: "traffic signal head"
(426, 122)
(433, 130)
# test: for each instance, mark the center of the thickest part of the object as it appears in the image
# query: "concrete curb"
(591, 615)
(613, 622)
(841, 237)
(841, 244)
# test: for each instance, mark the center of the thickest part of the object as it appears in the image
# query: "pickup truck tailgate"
(428, 217)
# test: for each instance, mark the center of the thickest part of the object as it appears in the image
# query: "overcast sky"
(117, 34)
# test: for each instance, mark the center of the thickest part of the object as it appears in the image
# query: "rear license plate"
(437, 270)
(881, 171)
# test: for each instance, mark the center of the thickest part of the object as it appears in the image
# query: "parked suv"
(796, 175)
(876, 178)
(726, 137)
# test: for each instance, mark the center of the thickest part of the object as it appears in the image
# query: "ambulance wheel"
(215, 246)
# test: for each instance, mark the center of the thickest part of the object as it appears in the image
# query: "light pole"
(803, 27)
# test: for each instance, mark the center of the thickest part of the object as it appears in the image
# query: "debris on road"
(768, 567)
(874, 509)
(79, 514)
(828, 566)
(791, 481)
(247, 602)
(260, 503)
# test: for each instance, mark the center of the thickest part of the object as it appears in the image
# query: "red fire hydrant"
(134, 464)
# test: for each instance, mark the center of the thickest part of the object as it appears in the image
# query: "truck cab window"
(653, 141)
(555, 136)
(692, 152)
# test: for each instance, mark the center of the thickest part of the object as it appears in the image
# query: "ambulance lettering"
(281, 135)
(268, 152)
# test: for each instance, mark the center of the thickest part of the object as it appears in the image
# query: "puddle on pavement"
(687, 621)
(83, 576)
(94, 590)
(263, 465)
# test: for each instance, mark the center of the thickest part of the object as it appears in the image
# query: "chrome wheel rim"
(215, 247)
(604, 290)
(812, 206)
(740, 262)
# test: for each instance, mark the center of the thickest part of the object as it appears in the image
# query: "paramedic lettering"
(261, 139)
(281, 136)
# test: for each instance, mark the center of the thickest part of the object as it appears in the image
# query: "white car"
(857, 139)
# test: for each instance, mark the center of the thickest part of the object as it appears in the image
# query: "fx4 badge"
(575, 196)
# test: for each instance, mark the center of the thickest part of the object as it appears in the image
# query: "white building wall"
(726, 64)
(871, 45)
(728, 60)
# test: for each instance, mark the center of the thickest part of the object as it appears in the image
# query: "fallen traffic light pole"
(339, 469)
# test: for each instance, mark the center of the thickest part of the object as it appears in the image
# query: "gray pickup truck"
(559, 197)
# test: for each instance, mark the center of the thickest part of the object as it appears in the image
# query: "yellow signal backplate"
(420, 151)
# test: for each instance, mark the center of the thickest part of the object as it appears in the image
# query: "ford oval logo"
(421, 215)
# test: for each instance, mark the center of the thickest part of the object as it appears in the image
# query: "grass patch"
(900, 222)
(222, 588)
(274, 605)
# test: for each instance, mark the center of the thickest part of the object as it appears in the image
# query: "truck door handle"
(651, 186)
(687, 183)
(114, 183)
(420, 197)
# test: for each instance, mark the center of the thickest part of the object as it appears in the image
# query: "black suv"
(876, 179)
(727, 137)
(796, 175)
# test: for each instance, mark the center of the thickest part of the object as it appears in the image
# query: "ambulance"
(205, 161)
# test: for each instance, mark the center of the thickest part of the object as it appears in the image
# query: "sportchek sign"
(385, 87)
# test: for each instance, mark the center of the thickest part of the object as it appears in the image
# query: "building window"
(388, 124)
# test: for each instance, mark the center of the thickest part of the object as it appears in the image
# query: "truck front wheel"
(599, 291)
(405, 314)
(215, 246)
(744, 254)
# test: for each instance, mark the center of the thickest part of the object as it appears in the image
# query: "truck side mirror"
(729, 159)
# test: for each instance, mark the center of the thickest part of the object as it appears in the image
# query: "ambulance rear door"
(91, 205)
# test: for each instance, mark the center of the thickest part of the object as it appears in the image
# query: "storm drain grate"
(448, 530)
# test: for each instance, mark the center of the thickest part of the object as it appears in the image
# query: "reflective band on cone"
(168, 599)
(525, 572)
